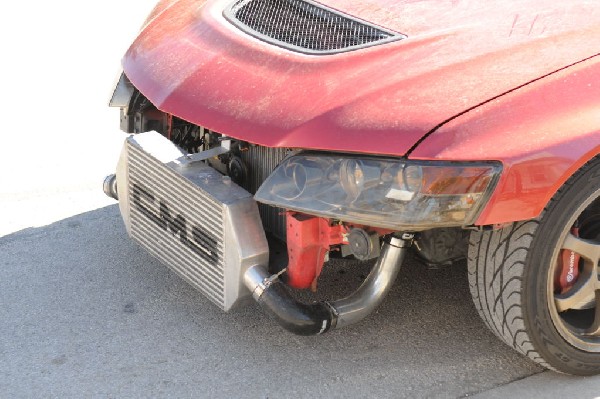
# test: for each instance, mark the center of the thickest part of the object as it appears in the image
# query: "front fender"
(542, 132)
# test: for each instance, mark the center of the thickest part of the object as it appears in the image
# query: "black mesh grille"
(305, 26)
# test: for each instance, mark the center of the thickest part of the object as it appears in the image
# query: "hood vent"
(306, 27)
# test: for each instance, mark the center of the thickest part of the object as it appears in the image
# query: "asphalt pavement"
(88, 313)
(84, 312)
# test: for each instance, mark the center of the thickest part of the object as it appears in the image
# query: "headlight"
(395, 194)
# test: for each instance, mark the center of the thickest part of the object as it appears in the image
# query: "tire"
(514, 277)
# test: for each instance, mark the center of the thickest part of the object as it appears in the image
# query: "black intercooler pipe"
(320, 317)
(294, 316)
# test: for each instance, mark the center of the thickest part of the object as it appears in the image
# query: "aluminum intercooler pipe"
(320, 317)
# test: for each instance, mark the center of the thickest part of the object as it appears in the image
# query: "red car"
(365, 129)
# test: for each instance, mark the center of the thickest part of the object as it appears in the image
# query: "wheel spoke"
(586, 248)
(594, 330)
(581, 294)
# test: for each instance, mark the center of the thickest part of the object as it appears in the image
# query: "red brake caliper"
(568, 270)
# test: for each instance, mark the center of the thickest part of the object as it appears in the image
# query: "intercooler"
(193, 219)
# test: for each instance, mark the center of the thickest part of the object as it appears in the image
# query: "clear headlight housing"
(388, 193)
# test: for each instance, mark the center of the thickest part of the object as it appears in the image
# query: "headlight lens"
(395, 194)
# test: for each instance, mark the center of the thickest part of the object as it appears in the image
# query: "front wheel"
(536, 283)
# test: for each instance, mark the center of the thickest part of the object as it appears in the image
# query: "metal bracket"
(204, 155)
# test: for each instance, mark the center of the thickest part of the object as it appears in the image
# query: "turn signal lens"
(456, 180)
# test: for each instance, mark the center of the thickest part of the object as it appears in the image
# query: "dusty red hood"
(191, 62)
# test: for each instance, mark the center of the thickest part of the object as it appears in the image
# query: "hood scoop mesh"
(306, 27)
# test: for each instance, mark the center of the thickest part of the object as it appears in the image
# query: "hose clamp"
(262, 285)
(404, 241)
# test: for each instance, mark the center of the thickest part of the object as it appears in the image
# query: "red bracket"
(309, 238)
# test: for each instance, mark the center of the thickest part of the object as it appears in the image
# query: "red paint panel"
(191, 62)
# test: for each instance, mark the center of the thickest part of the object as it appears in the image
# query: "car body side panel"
(542, 133)
(189, 61)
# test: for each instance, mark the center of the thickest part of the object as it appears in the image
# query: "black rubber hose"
(296, 317)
